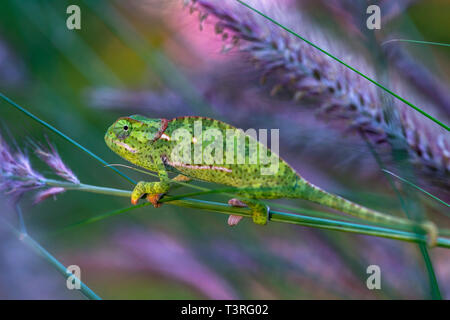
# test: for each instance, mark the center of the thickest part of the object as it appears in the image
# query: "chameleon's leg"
(153, 190)
(156, 190)
(260, 211)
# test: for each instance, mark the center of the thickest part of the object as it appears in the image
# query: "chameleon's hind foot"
(236, 203)
(152, 190)
(234, 219)
(432, 233)
(260, 212)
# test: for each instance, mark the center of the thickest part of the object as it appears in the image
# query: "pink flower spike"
(16, 174)
(51, 157)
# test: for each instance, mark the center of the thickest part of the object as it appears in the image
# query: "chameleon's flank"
(151, 144)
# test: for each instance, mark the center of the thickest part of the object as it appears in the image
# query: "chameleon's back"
(245, 161)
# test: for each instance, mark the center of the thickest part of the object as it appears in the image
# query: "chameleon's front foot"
(154, 198)
(152, 190)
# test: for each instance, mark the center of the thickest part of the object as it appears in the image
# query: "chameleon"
(152, 143)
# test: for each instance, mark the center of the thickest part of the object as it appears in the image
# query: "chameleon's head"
(132, 137)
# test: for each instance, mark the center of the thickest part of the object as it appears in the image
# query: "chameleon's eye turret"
(122, 129)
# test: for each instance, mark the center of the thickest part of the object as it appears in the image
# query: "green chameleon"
(154, 144)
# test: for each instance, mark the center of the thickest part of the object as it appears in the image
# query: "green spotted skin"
(149, 143)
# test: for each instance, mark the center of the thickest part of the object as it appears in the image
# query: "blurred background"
(154, 58)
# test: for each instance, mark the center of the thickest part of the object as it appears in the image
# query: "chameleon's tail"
(315, 194)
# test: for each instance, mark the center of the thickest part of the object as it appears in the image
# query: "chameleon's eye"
(122, 129)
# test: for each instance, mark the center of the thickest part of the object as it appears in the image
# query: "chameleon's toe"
(234, 220)
(260, 211)
(135, 198)
(236, 203)
(154, 198)
(138, 192)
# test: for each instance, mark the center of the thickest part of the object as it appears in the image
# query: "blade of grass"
(417, 41)
(274, 215)
(38, 249)
(285, 217)
(434, 285)
(416, 187)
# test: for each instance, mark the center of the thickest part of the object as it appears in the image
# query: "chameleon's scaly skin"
(149, 143)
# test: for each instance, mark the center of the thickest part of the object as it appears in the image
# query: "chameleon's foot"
(154, 190)
(154, 198)
(260, 212)
(236, 203)
(234, 220)
(432, 233)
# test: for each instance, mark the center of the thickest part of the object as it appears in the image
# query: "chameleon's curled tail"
(316, 194)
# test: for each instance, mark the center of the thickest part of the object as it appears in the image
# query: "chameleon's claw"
(154, 198)
(236, 203)
(260, 211)
(135, 197)
(234, 220)
(153, 191)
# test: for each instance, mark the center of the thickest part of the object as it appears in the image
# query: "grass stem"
(37, 248)
(276, 216)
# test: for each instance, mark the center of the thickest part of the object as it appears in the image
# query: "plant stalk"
(277, 216)
(37, 248)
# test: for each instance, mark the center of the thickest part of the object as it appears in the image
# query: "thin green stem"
(277, 216)
(417, 41)
(434, 285)
(416, 187)
(37, 248)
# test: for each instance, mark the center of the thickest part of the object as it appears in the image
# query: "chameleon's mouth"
(126, 146)
(114, 144)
